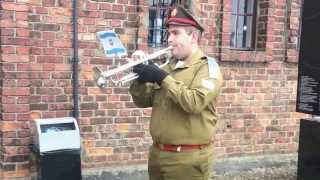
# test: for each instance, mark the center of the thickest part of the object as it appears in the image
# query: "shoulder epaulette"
(213, 67)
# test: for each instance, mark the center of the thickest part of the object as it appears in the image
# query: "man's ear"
(195, 36)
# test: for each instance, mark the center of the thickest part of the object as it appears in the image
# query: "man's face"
(181, 41)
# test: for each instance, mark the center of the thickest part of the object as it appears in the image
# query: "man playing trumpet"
(183, 95)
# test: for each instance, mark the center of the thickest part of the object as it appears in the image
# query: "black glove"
(149, 73)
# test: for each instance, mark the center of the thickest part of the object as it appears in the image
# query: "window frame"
(158, 6)
(253, 34)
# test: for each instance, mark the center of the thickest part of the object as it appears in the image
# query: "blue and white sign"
(111, 44)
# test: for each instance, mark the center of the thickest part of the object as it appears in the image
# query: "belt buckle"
(178, 148)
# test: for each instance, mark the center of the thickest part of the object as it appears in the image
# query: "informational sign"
(111, 44)
(308, 95)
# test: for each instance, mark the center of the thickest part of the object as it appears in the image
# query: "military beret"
(182, 17)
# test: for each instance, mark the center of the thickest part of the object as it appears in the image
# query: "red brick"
(23, 100)
(8, 100)
(63, 67)
(9, 134)
(49, 51)
(19, 91)
(47, 27)
(23, 32)
(61, 75)
(88, 21)
(14, 6)
(49, 59)
(60, 12)
(9, 83)
(22, 16)
(23, 67)
(8, 50)
(14, 24)
(10, 126)
(55, 107)
(49, 115)
(15, 41)
(62, 44)
(92, 5)
(49, 91)
(105, 6)
(23, 117)
(117, 8)
(7, 31)
(65, 52)
(48, 35)
(23, 50)
(63, 113)
(8, 116)
(35, 51)
(41, 10)
(15, 108)
(48, 3)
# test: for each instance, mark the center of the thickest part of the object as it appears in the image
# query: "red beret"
(182, 17)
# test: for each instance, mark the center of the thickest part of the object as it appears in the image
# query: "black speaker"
(308, 98)
(309, 150)
(60, 166)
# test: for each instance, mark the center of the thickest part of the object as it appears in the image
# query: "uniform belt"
(181, 147)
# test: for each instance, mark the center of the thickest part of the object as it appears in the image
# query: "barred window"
(243, 24)
(158, 10)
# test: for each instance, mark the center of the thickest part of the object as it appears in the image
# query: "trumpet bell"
(101, 81)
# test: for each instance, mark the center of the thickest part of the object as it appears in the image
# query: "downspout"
(75, 61)
(287, 7)
(219, 24)
(138, 24)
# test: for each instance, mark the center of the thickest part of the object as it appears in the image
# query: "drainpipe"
(138, 27)
(219, 24)
(75, 61)
(287, 8)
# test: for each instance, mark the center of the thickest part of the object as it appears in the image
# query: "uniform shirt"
(184, 106)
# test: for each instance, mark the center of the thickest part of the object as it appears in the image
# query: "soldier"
(183, 97)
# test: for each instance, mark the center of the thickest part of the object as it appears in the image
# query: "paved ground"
(264, 167)
(284, 173)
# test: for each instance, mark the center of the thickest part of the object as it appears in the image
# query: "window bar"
(236, 27)
(244, 44)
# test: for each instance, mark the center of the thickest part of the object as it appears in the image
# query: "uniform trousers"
(184, 165)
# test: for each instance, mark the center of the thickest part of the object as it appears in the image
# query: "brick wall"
(256, 106)
(257, 109)
(15, 85)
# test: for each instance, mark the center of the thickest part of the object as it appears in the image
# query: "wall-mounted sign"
(111, 44)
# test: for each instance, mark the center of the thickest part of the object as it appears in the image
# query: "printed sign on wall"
(111, 44)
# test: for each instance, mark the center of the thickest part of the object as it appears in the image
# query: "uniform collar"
(191, 60)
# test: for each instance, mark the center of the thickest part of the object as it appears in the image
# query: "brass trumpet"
(101, 77)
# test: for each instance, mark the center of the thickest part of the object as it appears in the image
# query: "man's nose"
(170, 39)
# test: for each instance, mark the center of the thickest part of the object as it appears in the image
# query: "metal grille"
(243, 24)
(158, 10)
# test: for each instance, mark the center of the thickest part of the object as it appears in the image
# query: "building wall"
(257, 105)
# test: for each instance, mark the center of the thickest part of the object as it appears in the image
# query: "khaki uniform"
(183, 108)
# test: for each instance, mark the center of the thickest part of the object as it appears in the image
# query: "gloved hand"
(149, 73)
